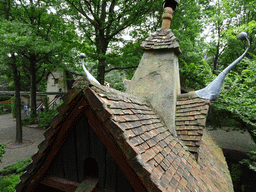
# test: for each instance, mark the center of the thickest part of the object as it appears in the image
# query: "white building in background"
(58, 81)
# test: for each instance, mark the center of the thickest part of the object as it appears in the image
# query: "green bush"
(2, 146)
(28, 121)
(120, 86)
(236, 172)
(16, 168)
(251, 161)
(4, 98)
(43, 119)
(8, 183)
(11, 175)
(5, 108)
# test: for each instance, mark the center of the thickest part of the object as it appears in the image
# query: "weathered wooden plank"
(111, 171)
(69, 158)
(98, 152)
(88, 185)
(60, 183)
(82, 143)
(42, 187)
(122, 183)
(56, 168)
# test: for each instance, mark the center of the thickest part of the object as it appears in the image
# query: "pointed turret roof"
(162, 39)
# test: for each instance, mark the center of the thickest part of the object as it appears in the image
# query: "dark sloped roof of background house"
(162, 39)
(161, 161)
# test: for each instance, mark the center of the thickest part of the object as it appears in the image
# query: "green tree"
(9, 59)
(33, 40)
(102, 24)
(47, 40)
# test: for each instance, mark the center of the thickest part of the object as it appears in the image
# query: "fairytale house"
(152, 138)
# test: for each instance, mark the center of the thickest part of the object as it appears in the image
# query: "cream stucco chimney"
(157, 76)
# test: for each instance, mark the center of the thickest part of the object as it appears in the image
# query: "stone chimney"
(157, 76)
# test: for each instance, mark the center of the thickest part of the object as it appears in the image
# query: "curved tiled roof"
(160, 161)
(162, 39)
(191, 112)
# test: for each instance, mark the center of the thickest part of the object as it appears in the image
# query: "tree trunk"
(17, 104)
(32, 89)
(102, 45)
(101, 71)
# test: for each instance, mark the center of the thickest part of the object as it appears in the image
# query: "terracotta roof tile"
(190, 120)
(161, 161)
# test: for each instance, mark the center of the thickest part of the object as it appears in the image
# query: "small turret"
(157, 76)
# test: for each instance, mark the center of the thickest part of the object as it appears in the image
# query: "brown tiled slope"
(157, 157)
(161, 161)
(162, 39)
(191, 113)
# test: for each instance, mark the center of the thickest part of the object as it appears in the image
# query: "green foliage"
(238, 96)
(219, 117)
(195, 75)
(28, 121)
(34, 40)
(5, 108)
(11, 175)
(102, 25)
(45, 118)
(236, 172)
(46, 104)
(4, 98)
(251, 161)
(2, 151)
(42, 119)
(18, 167)
(8, 183)
(120, 86)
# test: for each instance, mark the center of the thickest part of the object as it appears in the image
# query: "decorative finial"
(82, 55)
(169, 7)
(87, 73)
(212, 91)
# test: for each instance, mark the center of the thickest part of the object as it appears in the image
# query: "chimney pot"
(167, 18)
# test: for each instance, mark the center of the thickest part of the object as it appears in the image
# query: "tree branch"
(120, 68)
(111, 13)
(103, 11)
(81, 11)
(85, 30)
(41, 77)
